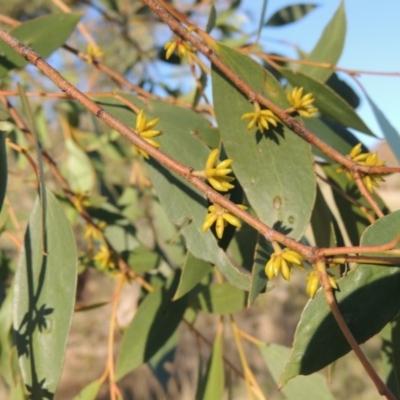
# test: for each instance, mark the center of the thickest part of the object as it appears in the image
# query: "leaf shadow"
(274, 134)
(35, 318)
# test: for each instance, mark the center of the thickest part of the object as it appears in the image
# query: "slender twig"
(352, 72)
(332, 303)
(111, 338)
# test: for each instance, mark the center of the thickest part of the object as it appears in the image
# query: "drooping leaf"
(275, 169)
(368, 299)
(391, 135)
(212, 18)
(327, 101)
(290, 14)
(45, 35)
(213, 383)
(301, 388)
(185, 206)
(44, 296)
(155, 321)
(344, 90)
(329, 47)
(80, 172)
(3, 168)
(219, 299)
(262, 16)
(90, 391)
(193, 271)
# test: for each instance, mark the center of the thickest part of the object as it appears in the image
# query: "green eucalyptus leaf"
(212, 385)
(153, 324)
(290, 14)
(142, 260)
(3, 168)
(44, 296)
(328, 102)
(185, 206)
(212, 19)
(391, 135)
(193, 271)
(344, 90)
(45, 35)
(301, 388)
(275, 169)
(329, 47)
(368, 299)
(222, 299)
(80, 172)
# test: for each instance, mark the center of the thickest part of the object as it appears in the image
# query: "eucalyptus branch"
(209, 49)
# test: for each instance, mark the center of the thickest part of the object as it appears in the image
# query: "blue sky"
(373, 32)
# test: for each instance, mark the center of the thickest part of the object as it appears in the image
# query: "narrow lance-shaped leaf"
(44, 35)
(391, 135)
(212, 384)
(193, 271)
(184, 205)
(275, 169)
(44, 296)
(328, 102)
(368, 299)
(329, 47)
(289, 14)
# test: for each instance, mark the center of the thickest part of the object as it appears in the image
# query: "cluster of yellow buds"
(144, 129)
(94, 53)
(368, 159)
(301, 104)
(282, 261)
(261, 118)
(221, 216)
(183, 48)
(106, 258)
(216, 174)
(313, 282)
